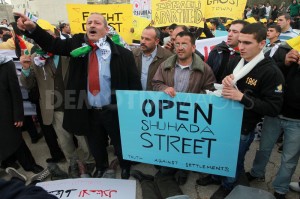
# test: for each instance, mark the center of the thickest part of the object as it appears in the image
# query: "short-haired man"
(183, 72)
(284, 21)
(65, 31)
(288, 120)
(149, 56)
(219, 57)
(255, 82)
(171, 29)
(94, 76)
(273, 33)
(3, 31)
(170, 44)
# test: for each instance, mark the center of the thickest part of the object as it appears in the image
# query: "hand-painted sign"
(190, 131)
(91, 188)
(118, 16)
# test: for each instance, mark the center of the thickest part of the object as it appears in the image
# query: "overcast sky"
(8, 1)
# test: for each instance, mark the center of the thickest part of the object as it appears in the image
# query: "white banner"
(206, 45)
(91, 188)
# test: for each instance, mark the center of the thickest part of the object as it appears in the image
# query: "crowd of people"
(72, 80)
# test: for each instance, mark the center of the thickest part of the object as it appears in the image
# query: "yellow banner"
(191, 13)
(294, 43)
(118, 16)
(233, 9)
(139, 24)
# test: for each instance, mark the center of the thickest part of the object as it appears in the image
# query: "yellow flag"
(45, 25)
(251, 20)
(294, 43)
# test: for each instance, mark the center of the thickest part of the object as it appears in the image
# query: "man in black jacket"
(255, 82)
(289, 120)
(94, 76)
(219, 57)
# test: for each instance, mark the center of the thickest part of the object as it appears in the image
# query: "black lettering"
(117, 26)
(159, 140)
(108, 18)
(180, 111)
(168, 104)
(185, 144)
(197, 146)
(152, 108)
(146, 126)
(83, 26)
(118, 15)
(85, 15)
(143, 137)
(207, 118)
(176, 140)
(209, 145)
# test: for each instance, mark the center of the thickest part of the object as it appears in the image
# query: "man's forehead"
(95, 17)
(246, 37)
(237, 27)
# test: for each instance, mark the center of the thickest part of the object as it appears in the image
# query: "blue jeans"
(245, 142)
(271, 130)
(291, 150)
(290, 155)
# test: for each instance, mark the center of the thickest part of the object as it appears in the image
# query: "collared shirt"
(181, 78)
(146, 61)
(289, 34)
(104, 96)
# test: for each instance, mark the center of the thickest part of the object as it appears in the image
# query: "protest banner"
(233, 9)
(118, 16)
(91, 188)
(206, 45)
(142, 8)
(166, 12)
(190, 131)
(192, 12)
(139, 24)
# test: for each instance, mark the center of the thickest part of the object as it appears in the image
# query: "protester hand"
(18, 124)
(227, 81)
(170, 91)
(290, 57)
(233, 93)
(25, 61)
(169, 46)
(24, 23)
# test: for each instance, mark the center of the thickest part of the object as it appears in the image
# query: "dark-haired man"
(183, 72)
(255, 82)
(288, 120)
(287, 32)
(65, 31)
(219, 57)
(149, 55)
(273, 33)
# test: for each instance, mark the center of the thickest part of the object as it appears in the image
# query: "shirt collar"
(289, 30)
(179, 66)
(152, 55)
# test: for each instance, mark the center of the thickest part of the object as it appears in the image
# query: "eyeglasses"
(182, 45)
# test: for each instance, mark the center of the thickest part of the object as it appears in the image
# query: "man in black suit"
(94, 76)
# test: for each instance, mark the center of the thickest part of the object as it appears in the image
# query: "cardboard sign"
(91, 188)
(190, 131)
(192, 12)
(118, 16)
